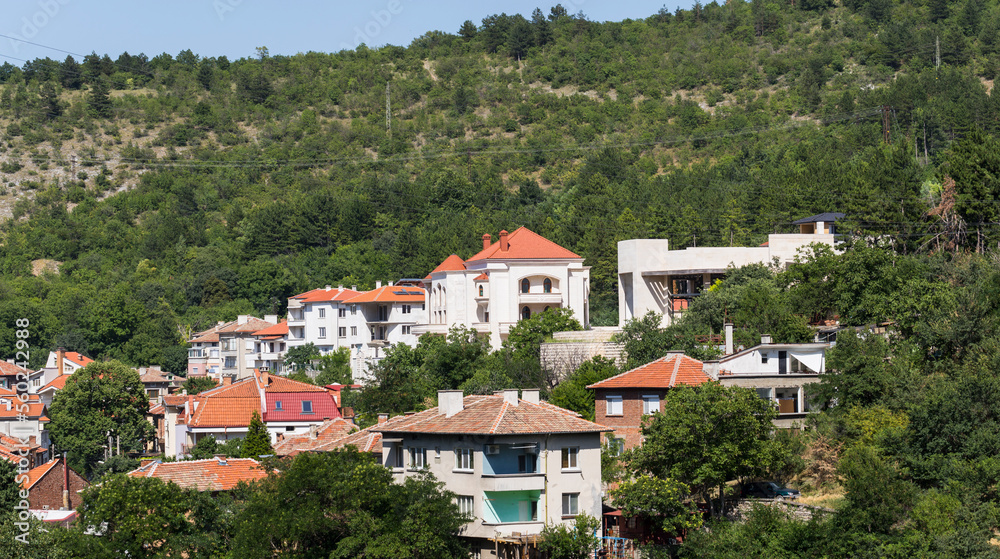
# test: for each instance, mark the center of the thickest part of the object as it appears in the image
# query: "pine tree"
(257, 442)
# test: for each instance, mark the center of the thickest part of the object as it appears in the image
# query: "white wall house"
(320, 317)
(518, 276)
(514, 464)
(780, 373)
(377, 319)
(653, 278)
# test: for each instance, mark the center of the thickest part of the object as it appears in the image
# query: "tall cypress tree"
(257, 442)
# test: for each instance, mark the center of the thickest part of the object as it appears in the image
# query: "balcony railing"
(539, 298)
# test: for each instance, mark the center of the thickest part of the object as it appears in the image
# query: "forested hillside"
(174, 191)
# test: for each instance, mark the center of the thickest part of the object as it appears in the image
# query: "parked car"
(768, 490)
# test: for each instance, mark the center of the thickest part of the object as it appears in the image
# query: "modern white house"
(515, 464)
(780, 373)
(320, 317)
(379, 318)
(520, 275)
(651, 277)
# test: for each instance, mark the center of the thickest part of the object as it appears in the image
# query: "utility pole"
(388, 112)
(937, 53)
(886, 124)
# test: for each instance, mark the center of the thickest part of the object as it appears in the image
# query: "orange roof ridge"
(525, 244)
(496, 424)
(450, 264)
(666, 372)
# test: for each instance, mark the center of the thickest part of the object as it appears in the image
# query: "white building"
(377, 319)
(653, 278)
(320, 317)
(514, 464)
(780, 373)
(520, 275)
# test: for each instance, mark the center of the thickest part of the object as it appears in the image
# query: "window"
(650, 404)
(322, 313)
(36, 382)
(230, 363)
(480, 291)
(354, 309)
(525, 313)
(614, 405)
(195, 371)
(569, 457)
(307, 406)
(342, 331)
(406, 309)
(463, 459)
(341, 312)
(354, 330)
(763, 358)
(525, 285)
(547, 285)
(322, 332)
(418, 458)
(277, 405)
(570, 504)
(616, 445)
(526, 463)
(407, 330)
(398, 456)
(465, 505)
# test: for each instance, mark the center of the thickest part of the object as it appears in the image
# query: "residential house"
(515, 464)
(214, 474)
(622, 402)
(54, 486)
(270, 347)
(23, 416)
(514, 278)
(157, 382)
(14, 450)
(321, 317)
(286, 406)
(238, 346)
(11, 375)
(379, 318)
(780, 373)
(59, 363)
(318, 436)
(653, 278)
(204, 355)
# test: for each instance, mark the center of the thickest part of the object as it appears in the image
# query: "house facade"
(320, 316)
(519, 275)
(780, 373)
(204, 353)
(238, 347)
(385, 316)
(651, 277)
(515, 464)
(54, 486)
(624, 401)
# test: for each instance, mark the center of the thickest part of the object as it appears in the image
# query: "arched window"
(480, 291)
(525, 313)
(547, 285)
(546, 308)
(525, 285)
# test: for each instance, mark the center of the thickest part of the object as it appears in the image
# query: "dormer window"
(307, 406)
(277, 405)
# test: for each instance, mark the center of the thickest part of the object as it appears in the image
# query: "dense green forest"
(175, 191)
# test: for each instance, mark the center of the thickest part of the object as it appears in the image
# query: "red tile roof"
(233, 405)
(10, 369)
(666, 372)
(207, 338)
(525, 244)
(38, 472)
(326, 433)
(280, 329)
(482, 277)
(57, 383)
(81, 360)
(321, 404)
(491, 415)
(324, 294)
(204, 475)
(391, 294)
(36, 410)
(7, 392)
(450, 264)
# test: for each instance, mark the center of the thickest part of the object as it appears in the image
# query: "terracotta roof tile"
(38, 472)
(57, 383)
(36, 410)
(204, 475)
(490, 415)
(279, 329)
(666, 372)
(482, 277)
(391, 294)
(252, 324)
(328, 432)
(151, 375)
(10, 369)
(450, 264)
(211, 337)
(79, 359)
(525, 244)
(323, 295)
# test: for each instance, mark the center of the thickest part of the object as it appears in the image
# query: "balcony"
(512, 507)
(539, 298)
(513, 482)
(421, 329)
(481, 327)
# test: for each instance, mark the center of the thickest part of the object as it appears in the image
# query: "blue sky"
(236, 27)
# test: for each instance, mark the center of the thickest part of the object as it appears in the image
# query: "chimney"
(264, 377)
(65, 494)
(242, 319)
(60, 356)
(765, 339)
(509, 395)
(450, 402)
(378, 284)
(504, 243)
(354, 288)
(382, 418)
(328, 288)
(222, 459)
(313, 430)
(227, 380)
(341, 287)
(390, 284)
(729, 338)
(530, 395)
(146, 461)
(487, 240)
(272, 318)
